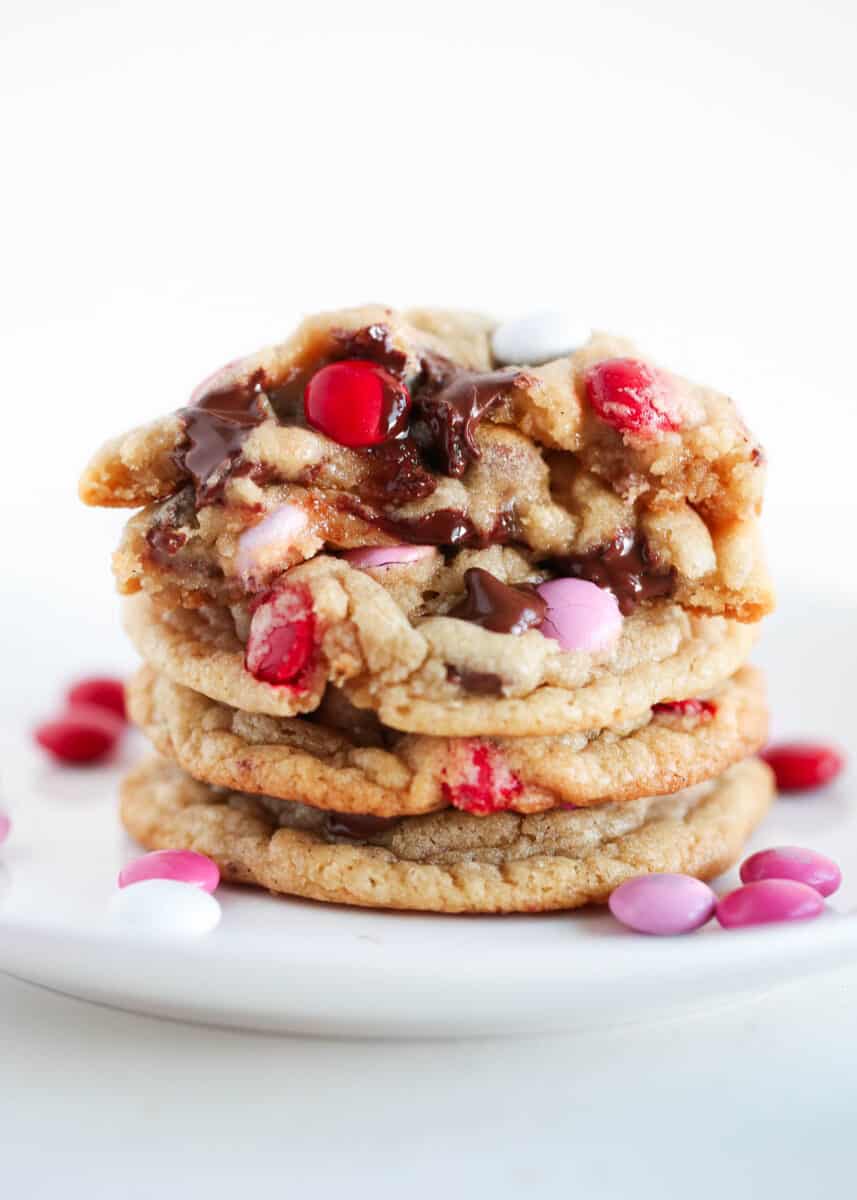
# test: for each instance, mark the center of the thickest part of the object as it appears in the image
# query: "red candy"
(704, 709)
(281, 642)
(632, 397)
(83, 734)
(802, 766)
(101, 691)
(478, 781)
(356, 403)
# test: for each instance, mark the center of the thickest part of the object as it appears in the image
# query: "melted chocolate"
(449, 402)
(358, 826)
(626, 567)
(481, 683)
(216, 428)
(497, 606)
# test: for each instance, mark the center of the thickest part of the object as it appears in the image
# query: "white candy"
(164, 907)
(538, 338)
(261, 546)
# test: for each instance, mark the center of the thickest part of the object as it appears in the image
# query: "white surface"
(320, 969)
(180, 180)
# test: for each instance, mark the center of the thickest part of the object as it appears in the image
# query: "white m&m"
(538, 338)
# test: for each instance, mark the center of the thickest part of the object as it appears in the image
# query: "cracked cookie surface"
(450, 861)
(346, 761)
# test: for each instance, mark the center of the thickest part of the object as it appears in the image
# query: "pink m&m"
(767, 902)
(580, 615)
(5, 826)
(663, 904)
(183, 866)
(387, 556)
(263, 546)
(793, 862)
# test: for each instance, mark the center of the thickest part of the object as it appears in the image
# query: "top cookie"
(369, 428)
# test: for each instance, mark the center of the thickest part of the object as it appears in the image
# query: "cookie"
(347, 761)
(441, 676)
(371, 428)
(450, 861)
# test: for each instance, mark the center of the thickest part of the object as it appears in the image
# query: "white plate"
(291, 965)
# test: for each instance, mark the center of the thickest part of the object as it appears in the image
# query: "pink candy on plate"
(183, 866)
(663, 904)
(580, 615)
(793, 862)
(387, 556)
(769, 901)
(5, 826)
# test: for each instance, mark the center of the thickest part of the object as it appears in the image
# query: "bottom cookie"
(448, 861)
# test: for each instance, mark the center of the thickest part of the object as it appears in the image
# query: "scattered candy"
(663, 904)
(356, 403)
(387, 556)
(83, 734)
(281, 639)
(165, 906)
(477, 780)
(185, 866)
(767, 902)
(102, 691)
(580, 615)
(537, 338)
(632, 397)
(793, 862)
(802, 766)
(263, 546)
(5, 827)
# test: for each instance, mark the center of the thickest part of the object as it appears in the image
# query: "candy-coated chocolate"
(632, 397)
(185, 866)
(793, 862)
(538, 338)
(580, 615)
(262, 546)
(281, 639)
(663, 904)
(802, 766)
(767, 902)
(5, 826)
(165, 907)
(356, 403)
(387, 556)
(102, 691)
(83, 734)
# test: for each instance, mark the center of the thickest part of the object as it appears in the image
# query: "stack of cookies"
(427, 628)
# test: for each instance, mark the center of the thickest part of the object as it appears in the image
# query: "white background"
(179, 182)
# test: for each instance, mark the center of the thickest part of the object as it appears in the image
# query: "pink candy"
(5, 826)
(663, 903)
(263, 546)
(182, 866)
(580, 616)
(387, 556)
(767, 902)
(793, 862)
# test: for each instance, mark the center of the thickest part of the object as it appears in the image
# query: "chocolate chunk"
(482, 683)
(373, 343)
(448, 404)
(397, 475)
(497, 606)
(357, 826)
(216, 427)
(626, 567)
